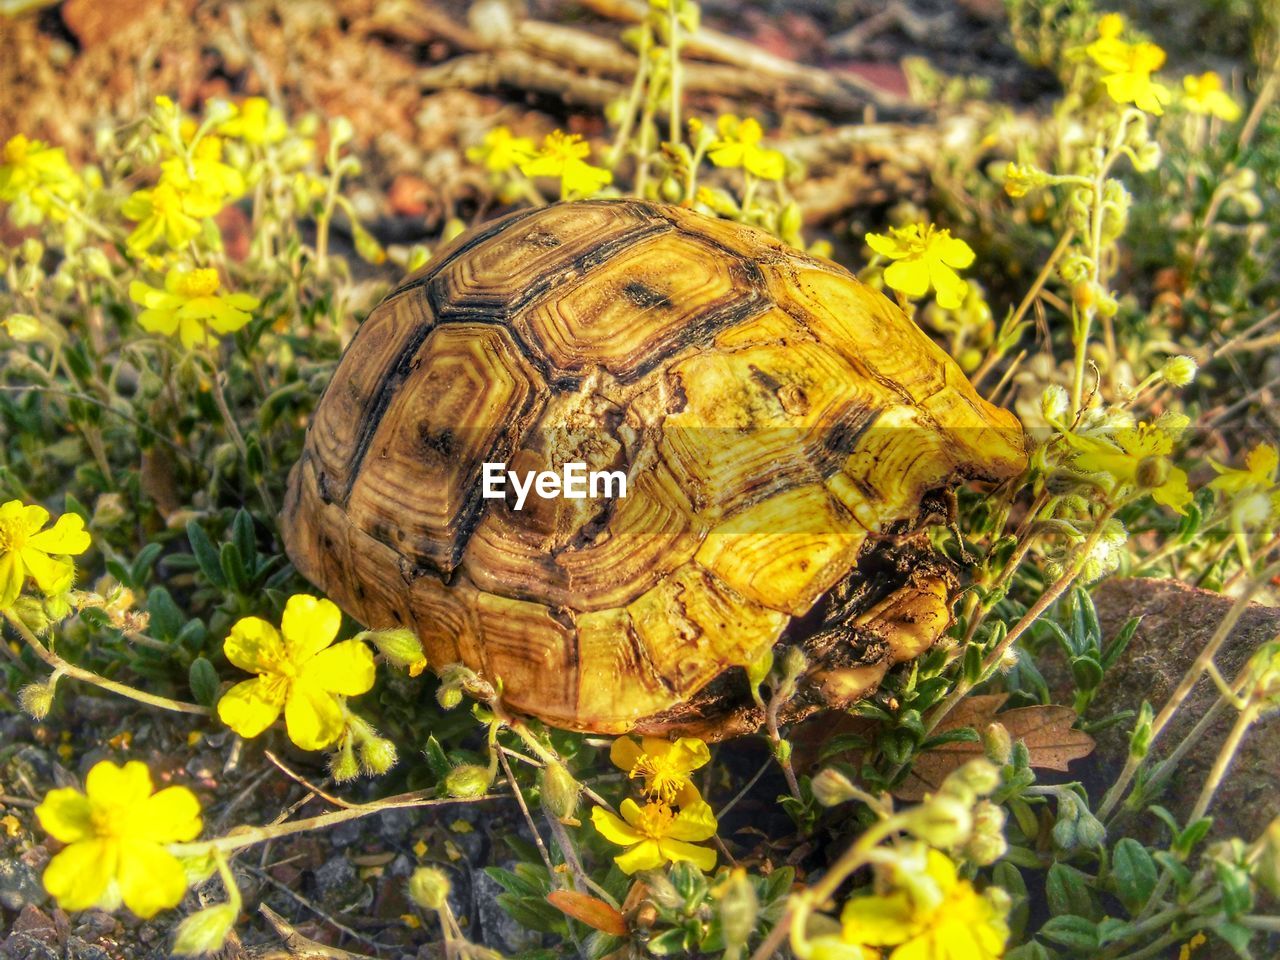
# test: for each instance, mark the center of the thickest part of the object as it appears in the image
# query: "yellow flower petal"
(609, 826)
(254, 645)
(124, 786)
(51, 575)
(250, 707)
(645, 855)
(12, 573)
(151, 878)
(879, 921)
(309, 625)
(65, 814)
(78, 876)
(704, 858)
(910, 277)
(312, 716)
(624, 752)
(695, 822)
(172, 815)
(346, 668)
(885, 246)
(949, 289)
(688, 754)
(67, 536)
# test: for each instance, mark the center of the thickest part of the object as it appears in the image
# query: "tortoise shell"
(777, 421)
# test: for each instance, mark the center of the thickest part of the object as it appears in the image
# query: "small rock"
(23, 946)
(19, 886)
(339, 887)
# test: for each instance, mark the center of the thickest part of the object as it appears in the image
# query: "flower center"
(12, 535)
(663, 780)
(198, 283)
(655, 819)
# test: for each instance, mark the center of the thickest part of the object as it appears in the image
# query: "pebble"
(19, 886)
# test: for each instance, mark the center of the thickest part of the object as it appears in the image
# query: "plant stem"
(88, 676)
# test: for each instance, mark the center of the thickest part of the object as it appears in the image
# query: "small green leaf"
(206, 555)
(1068, 891)
(436, 759)
(1134, 873)
(1074, 933)
(232, 564)
(166, 618)
(1087, 672)
(204, 681)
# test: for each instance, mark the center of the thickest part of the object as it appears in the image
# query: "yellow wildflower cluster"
(37, 180)
(116, 833)
(501, 151)
(302, 673)
(190, 307)
(924, 256)
(564, 155)
(738, 145)
(1127, 67)
(658, 833)
(1204, 94)
(1253, 490)
(926, 912)
(1137, 461)
(28, 550)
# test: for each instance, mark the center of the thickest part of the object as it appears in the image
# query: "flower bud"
(987, 843)
(941, 821)
(429, 887)
(205, 931)
(1054, 402)
(400, 646)
(1090, 831)
(377, 755)
(24, 328)
(448, 695)
(468, 780)
(560, 791)
(343, 765)
(997, 743)
(31, 250)
(739, 909)
(1179, 371)
(979, 777)
(831, 787)
(32, 613)
(37, 698)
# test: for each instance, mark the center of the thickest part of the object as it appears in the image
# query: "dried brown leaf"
(592, 911)
(1045, 729)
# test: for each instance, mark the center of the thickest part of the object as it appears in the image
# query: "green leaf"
(1067, 890)
(204, 681)
(513, 884)
(1074, 933)
(1028, 951)
(166, 618)
(1086, 671)
(959, 735)
(242, 535)
(1189, 838)
(206, 555)
(1134, 873)
(1235, 935)
(1121, 641)
(1237, 890)
(436, 759)
(143, 563)
(232, 563)
(1181, 875)
(536, 914)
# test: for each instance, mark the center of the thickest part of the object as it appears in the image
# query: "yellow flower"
(117, 831)
(1254, 495)
(1204, 94)
(654, 834)
(934, 917)
(299, 673)
(35, 177)
(167, 212)
(43, 555)
(500, 151)
(1136, 458)
(665, 766)
(924, 257)
(1127, 67)
(739, 146)
(191, 307)
(564, 155)
(256, 122)
(207, 174)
